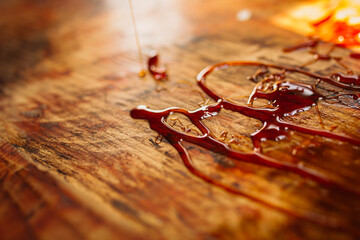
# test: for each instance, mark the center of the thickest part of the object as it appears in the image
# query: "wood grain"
(74, 165)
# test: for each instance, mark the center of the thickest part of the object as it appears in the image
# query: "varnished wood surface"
(74, 165)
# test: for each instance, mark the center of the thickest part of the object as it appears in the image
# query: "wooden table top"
(75, 165)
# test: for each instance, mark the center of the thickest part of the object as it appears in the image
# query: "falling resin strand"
(142, 71)
(287, 99)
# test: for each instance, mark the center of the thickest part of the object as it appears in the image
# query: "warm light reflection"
(160, 24)
(333, 21)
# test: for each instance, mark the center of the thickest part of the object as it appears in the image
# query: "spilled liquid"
(157, 71)
(286, 98)
(355, 55)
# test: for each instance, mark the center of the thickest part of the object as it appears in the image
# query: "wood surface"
(75, 165)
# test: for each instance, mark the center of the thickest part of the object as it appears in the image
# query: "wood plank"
(75, 165)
